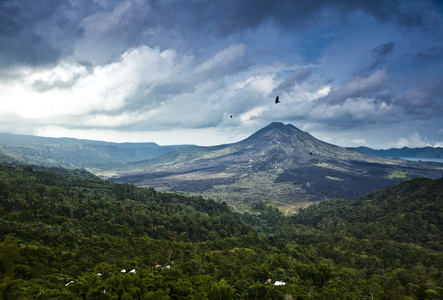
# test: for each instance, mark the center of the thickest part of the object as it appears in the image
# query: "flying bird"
(276, 100)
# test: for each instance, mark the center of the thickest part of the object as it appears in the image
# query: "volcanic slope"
(279, 163)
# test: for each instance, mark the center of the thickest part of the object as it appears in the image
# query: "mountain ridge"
(74, 153)
(423, 152)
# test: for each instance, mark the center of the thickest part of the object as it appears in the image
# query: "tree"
(9, 253)
(55, 192)
(221, 290)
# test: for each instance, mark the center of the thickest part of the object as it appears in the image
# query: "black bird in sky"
(276, 100)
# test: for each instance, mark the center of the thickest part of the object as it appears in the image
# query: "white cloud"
(263, 84)
(414, 140)
(63, 74)
(324, 91)
(114, 121)
(145, 89)
(105, 88)
(225, 61)
(249, 116)
(359, 141)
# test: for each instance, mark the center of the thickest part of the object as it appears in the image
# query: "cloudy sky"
(350, 72)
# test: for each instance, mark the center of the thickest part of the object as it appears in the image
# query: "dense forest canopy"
(66, 236)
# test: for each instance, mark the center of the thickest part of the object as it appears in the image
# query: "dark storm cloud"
(381, 52)
(297, 77)
(363, 101)
(367, 82)
(373, 86)
(380, 55)
(35, 33)
(430, 54)
(424, 99)
(40, 32)
(19, 44)
(232, 16)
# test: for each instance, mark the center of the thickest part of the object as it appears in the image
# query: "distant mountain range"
(426, 152)
(74, 153)
(279, 163)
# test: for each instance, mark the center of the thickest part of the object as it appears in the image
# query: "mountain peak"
(276, 130)
(280, 126)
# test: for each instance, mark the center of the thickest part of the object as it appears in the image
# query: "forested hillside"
(64, 237)
(74, 153)
(391, 238)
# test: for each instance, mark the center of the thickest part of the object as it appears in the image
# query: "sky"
(349, 72)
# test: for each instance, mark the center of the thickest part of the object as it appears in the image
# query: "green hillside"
(411, 212)
(74, 153)
(66, 237)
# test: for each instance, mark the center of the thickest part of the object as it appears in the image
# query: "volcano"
(279, 163)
